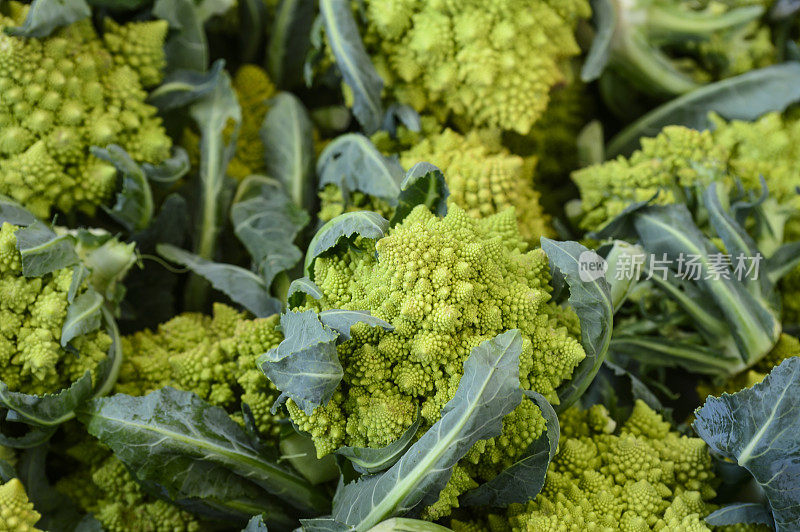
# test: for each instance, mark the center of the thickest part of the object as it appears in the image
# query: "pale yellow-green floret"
(446, 285)
(16, 512)
(485, 64)
(482, 176)
(32, 314)
(65, 93)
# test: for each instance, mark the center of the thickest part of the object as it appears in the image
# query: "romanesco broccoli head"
(446, 285)
(680, 159)
(253, 90)
(642, 476)
(32, 314)
(486, 64)
(16, 513)
(65, 93)
(214, 357)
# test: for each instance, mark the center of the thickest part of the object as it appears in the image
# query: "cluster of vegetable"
(399, 265)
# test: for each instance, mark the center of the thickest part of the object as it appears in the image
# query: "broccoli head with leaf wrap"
(68, 92)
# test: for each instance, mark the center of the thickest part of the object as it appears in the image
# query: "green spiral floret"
(446, 285)
(65, 93)
(32, 314)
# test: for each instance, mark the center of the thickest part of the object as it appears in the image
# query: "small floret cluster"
(482, 176)
(16, 512)
(680, 160)
(465, 59)
(642, 477)
(214, 357)
(446, 285)
(70, 91)
(32, 315)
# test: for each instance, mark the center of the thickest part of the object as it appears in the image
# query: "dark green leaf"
(341, 321)
(523, 480)
(183, 87)
(287, 134)
(13, 213)
(669, 231)
(298, 449)
(744, 97)
(590, 298)
(348, 225)
(368, 460)
(207, 9)
(400, 114)
(267, 222)
(423, 184)
(6, 472)
(190, 448)
(305, 366)
(32, 438)
(45, 16)
(43, 251)
(47, 410)
(134, 206)
(353, 62)
(299, 287)
(242, 286)
(186, 47)
(742, 512)
(488, 391)
(290, 39)
(352, 162)
(604, 21)
(84, 315)
(759, 429)
(170, 171)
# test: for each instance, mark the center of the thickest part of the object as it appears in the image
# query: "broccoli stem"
(710, 324)
(696, 358)
(116, 354)
(649, 68)
(667, 25)
(641, 31)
